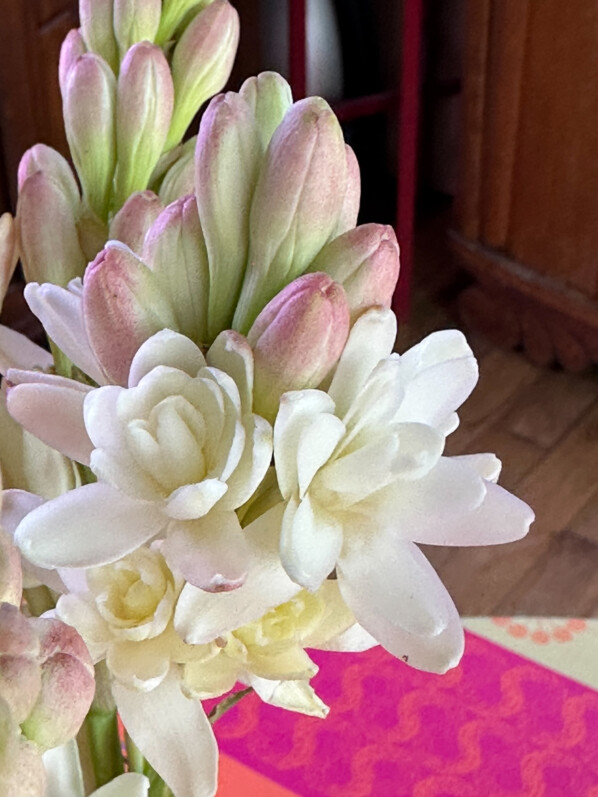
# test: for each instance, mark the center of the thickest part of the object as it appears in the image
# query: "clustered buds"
(46, 683)
(132, 78)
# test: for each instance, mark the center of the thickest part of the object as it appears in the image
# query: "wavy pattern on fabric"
(498, 725)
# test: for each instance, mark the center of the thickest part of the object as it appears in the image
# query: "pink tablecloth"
(497, 726)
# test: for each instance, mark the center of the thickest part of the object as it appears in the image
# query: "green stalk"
(137, 763)
(228, 702)
(39, 600)
(104, 745)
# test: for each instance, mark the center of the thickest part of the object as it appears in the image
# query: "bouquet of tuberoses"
(218, 462)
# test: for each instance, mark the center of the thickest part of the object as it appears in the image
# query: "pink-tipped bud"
(8, 252)
(227, 161)
(297, 339)
(21, 768)
(11, 574)
(144, 110)
(73, 47)
(179, 179)
(296, 204)
(269, 97)
(97, 29)
(48, 238)
(202, 62)
(135, 21)
(350, 208)
(41, 158)
(134, 219)
(20, 674)
(67, 685)
(365, 260)
(175, 251)
(173, 14)
(123, 306)
(89, 106)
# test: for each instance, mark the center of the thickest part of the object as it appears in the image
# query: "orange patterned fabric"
(498, 726)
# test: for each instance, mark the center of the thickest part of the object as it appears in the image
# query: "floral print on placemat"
(568, 645)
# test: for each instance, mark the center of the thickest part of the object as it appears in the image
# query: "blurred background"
(474, 122)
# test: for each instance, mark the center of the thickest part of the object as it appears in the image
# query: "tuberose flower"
(175, 453)
(362, 470)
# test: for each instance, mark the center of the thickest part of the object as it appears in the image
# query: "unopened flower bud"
(8, 252)
(179, 179)
(89, 106)
(365, 260)
(144, 111)
(135, 21)
(49, 243)
(350, 207)
(11, 574)
(41, 158)
(202, 62)
(123, 306)
(134, 219)
(173, 14)
(297, 338)
(67, 685)
(73, 47)
(21, 768)
(269, 98)
(175, 251)
(20, 674)
(97, 29)
(296, 204)
(227, 162)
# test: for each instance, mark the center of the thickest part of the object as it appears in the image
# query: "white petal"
(52, 410)
(297, 409)
(253, 464)
(370, 340)
(92, 525)
(231, 353)
(382, 576)
(210, 553)
(390, 626)
(451, 489)
(184, 752)
(201, 617)
(310, 543)
(291, 695)
(357, 475)
(131, 784)
(80, 612)
(166, 348)
(61, 312)
(354, 640)
(15, 505)
(64, 777)
(195, 500)
(317, 441)
(501, 518)
(140, 665)
(440, 373)
(488, 466)
(17, 351)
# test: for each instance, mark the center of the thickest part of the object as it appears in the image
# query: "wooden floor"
(543, 425)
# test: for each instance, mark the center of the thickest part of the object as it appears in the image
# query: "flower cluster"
(222, 464)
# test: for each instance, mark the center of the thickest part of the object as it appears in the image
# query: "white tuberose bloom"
(175, 453)
(362, 470)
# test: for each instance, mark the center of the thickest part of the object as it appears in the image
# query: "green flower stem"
(228, 702)
(39, 600)
(104, 744)
(137, 763)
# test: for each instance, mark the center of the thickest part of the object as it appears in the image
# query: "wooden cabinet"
(30, 106)
(527, 221)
